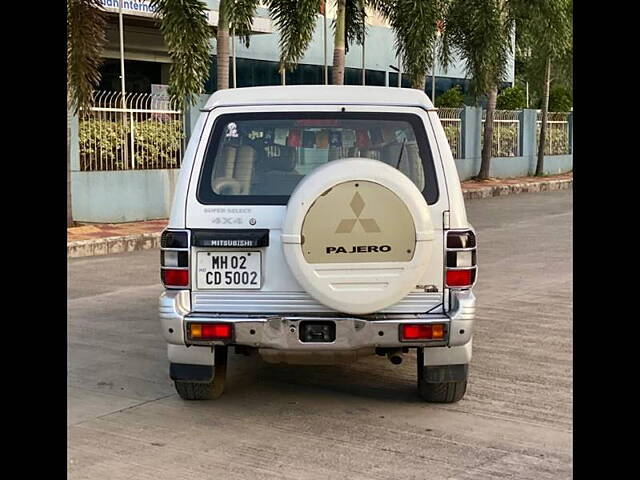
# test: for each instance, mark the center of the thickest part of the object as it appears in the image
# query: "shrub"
(158, 143)
(103, 144)
(453, 137)
(556, 141)
(560, 99)
(504, 140)
(512, 98)
(452, 98)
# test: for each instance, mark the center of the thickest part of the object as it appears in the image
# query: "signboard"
(140, 8)
(160, 100)
(160, 89)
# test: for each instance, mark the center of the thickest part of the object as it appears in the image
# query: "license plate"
(239, 270)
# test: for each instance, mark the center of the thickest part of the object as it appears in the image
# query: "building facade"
(126, 151)
(147, 61)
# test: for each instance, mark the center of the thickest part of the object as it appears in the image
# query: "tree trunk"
(69, 211)
(337, 75)
(420, 83)
(543, 127)
(485, 166)
(222, 47)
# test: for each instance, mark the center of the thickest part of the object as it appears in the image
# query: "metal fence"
(557, 134)
(140, 132)
(506, 133)
(452, 124)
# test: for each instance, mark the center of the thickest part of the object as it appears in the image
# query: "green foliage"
(512, 98)
(480, 32)
(239, 14)
(86, 23)
(556, 140)
(414, 25)
(544, 30)
(504, 140)
(354, 18)
(560, 99)
(186, 31)
(158, 143)
(452, 98)
(452, 133)
(355, 27)
(103, 143)
(295, 20)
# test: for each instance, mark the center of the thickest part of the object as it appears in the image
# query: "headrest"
(286, 162)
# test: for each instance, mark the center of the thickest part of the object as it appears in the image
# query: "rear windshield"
(259, 158)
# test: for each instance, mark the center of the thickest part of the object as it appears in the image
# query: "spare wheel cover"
(357, 235)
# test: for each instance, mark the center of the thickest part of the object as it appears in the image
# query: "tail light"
(174, 258)
(422, 331)
(209, 331)
(461, 262)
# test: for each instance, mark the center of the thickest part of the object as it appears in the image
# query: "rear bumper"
(280, 332)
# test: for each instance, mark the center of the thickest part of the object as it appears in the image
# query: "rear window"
(259, 158)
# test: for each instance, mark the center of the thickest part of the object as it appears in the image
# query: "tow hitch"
(318, 332)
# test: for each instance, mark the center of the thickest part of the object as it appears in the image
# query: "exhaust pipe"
(395, 357)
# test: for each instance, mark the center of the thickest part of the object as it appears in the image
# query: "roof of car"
(319, 95)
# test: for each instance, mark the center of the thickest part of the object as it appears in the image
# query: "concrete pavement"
(361, 421)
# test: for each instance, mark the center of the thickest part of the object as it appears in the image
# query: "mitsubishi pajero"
(318, 225)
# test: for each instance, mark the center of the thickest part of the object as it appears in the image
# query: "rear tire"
(449, 392)
(197, 391)
(439, 392)
(206, 390)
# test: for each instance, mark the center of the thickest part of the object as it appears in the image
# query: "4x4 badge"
(346, 225)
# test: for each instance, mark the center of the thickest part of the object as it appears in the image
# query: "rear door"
(248, 162)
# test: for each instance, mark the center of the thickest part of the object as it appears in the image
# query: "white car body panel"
(280, 293)
(276, 276)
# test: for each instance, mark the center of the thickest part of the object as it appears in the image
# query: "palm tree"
(186, 32)
(296, 22)
(416, 27)
(85, 38)
(544, 29)
(481, 32)
(185, 29)
(337, 73)
(235, 16)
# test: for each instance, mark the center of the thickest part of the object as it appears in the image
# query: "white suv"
(317, 225)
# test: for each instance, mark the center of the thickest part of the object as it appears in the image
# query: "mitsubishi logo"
(346, 225)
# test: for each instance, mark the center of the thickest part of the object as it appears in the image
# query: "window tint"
(260, 158)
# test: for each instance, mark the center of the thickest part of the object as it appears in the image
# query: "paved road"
(362, 421)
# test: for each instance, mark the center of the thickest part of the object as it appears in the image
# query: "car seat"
(281, 177)
(236, 171)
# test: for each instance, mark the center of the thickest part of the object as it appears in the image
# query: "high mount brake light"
(174, 258)
(461, 262)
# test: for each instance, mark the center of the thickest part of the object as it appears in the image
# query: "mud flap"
(182, 372)
(441, 373)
